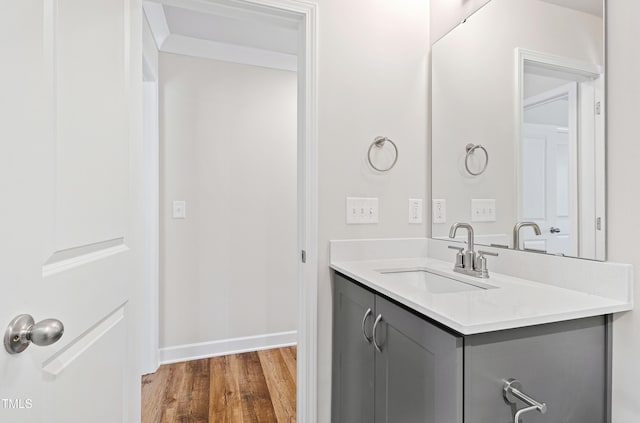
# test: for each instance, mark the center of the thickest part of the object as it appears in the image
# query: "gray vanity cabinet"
(353, 355)
(410, 370)
(414, 376)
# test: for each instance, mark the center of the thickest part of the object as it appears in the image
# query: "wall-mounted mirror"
(518, 127)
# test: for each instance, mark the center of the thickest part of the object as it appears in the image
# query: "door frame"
(307, 188)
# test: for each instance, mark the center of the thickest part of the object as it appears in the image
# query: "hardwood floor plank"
(244, 388)
(153, 389)
(224, 393)
(256, 400)
(172, 392)
(290, 355)
(193, 400)
(282, 387)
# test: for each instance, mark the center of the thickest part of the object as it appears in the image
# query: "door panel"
(73, 394)
(418, 372)
(353, 366)
(546, 188)
(66, 243)
(88, 51)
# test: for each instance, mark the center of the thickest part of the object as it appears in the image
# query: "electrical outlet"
(415, 210)
(483, 210)
(439, 211)
(361, 210)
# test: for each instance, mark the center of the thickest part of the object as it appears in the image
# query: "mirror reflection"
(518, 136)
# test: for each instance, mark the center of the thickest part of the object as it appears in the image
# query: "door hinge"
(304, 256)
(599, 223)
(597, 108)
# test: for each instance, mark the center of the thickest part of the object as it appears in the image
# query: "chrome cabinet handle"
(364, 332)
(512, 391)
(375, 327)
(22, 331)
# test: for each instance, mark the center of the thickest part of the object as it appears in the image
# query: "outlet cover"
(179, 209)
(415, 210)
(439, 211)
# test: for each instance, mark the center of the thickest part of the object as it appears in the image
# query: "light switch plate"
(483, 210)
(361, 210)
(179, 209)
(439, 211)
(415, 210)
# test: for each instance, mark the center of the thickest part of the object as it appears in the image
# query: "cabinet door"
(418, 371)
(561, 364)
(353, 355)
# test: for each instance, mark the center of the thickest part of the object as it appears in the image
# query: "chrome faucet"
(516, 232)
(469, 256)
(467, 262)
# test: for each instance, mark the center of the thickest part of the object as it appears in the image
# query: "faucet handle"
(459, 256)
(481, 263)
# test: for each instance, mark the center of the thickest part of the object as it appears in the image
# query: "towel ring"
(379, 142)
(470, 148)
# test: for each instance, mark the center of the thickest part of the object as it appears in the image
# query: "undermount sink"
(422, 278)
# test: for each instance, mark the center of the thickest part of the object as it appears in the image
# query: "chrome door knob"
(23, 331)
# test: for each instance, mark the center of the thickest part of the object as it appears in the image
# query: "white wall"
(473, 91)
(623, 153)
(228, 148)
(373, 58)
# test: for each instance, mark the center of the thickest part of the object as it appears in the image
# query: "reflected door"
(548, 157)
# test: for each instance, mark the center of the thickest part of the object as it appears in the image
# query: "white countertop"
(514, 302)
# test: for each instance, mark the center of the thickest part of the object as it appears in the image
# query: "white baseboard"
(227, 346)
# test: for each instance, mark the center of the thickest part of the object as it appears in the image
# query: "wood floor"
(241, 388)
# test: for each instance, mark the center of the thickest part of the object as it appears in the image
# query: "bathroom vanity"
(414, 341)
(422, 333)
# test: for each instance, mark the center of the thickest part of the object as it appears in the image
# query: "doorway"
(301, 16)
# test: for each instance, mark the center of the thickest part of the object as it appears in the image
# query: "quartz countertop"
(512, 302)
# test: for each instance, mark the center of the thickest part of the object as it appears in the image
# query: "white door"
(67, 247)
(546, 188)
(549, 192)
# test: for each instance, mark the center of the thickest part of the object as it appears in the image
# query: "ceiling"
(231, 30)
(226, 34)
(592, 7)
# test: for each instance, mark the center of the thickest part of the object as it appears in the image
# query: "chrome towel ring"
(470, 148)
(379, 143)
